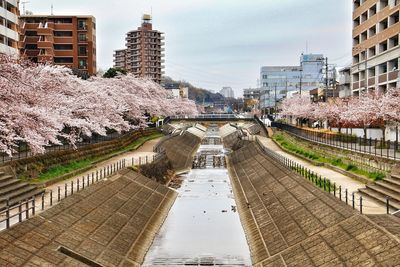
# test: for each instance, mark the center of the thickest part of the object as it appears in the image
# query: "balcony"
(394, 75)
(383, 78)
(45, 29)
(31, 53)
(45, 58)
(371, 81)
(45, 45)
(21, 44)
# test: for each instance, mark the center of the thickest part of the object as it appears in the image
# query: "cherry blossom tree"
(41, 105)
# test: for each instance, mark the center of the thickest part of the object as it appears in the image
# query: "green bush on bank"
(283, 142)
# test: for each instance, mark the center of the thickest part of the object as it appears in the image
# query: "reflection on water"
(203, 227)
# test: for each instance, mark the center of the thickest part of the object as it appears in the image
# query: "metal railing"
(214, 116)
(22, 151)
(376, 147)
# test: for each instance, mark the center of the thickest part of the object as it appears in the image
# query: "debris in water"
(233, 208)
(224, 211)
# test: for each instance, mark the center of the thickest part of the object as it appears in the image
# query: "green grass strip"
(285, 143)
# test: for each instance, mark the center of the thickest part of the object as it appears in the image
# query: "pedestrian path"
(369, 206)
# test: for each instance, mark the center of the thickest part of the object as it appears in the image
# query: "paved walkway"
(138, 155)
(369, 206)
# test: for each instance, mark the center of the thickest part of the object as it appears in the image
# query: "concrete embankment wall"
(180, 150)
(288, 221)
(31, 167)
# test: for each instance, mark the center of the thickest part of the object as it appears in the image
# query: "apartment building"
(143, 55)
(61, 40)
(376, 50)
(9, 37)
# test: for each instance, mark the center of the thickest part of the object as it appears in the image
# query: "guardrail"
(214, 117)
(375, 147)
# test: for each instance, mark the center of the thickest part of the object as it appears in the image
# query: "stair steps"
(13, 189)
(381, 190)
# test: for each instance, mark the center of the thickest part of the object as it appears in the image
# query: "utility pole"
(301, 75)
(327, 78)
(276, 104)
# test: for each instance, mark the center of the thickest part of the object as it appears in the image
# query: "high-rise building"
(9, 37)
(227, 92)
(143, 55)
(376, 50)
(61, 40)
(279, 82)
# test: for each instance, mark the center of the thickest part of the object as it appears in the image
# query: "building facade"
(376, 50)
(9, 36)
(61, 40)
(344, 86)
(143, 55)
(227, 92)
(280, 82)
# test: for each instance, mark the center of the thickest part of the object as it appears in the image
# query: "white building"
(279, 82)
(227, 92)
(8, 27)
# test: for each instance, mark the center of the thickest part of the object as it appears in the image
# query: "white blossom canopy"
(43, 104)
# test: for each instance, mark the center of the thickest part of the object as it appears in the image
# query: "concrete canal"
(203, 226)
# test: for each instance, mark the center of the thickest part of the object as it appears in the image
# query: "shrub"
(160, 170)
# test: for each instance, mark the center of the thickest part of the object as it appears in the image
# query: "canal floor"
(203, 226)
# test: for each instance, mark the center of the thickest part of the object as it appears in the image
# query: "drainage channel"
(203, 227)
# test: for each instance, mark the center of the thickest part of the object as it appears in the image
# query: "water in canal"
(203, 226)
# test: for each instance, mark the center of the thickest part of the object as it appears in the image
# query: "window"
(383, 46)
(81, 24)
(394, 41)
(382, 68)
(82, 51)
(394, 18)
(62, 20)
(372, 11)
(372, 31)
(356, 59)
(383, 4)
(393, 65)
(82, 64)
(372, 51)
(31, 46)
(363, 36)
(82, 37)
(356, 22)
(63, 46)
(383, 25)
(356, 40)
(371, 72)
(62, 33)
(63, 60)
(31, 33)
(364, 16)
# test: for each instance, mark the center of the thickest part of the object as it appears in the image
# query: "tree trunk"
(365, 132)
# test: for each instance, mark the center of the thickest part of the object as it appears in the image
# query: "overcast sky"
(215, 43)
